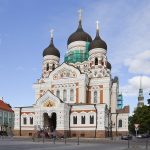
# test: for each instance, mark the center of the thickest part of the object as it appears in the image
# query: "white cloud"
(135, 37)
(125, 28)
(139, 63)
(133, 85)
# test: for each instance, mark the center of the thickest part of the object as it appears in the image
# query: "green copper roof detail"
(77, 55)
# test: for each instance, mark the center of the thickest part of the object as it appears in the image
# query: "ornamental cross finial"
(51, 32)
(80, 11)
(97, 25)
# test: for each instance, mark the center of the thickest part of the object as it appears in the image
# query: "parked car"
(146, 135)
(140, 136)
(126, 137)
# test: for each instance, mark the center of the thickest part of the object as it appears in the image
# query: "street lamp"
(111, 124)
(116, 122)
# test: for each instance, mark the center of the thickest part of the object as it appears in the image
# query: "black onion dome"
(51, 50)
(108, 65)
(79, 35)
(98, 42)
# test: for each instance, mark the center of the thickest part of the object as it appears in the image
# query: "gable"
(64, 71)
(48, 100)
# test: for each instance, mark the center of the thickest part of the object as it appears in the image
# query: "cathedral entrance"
(50, 122)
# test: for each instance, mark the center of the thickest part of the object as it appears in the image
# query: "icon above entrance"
(49, 103)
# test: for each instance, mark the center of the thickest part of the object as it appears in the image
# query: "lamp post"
(111, 124)
(116, 122)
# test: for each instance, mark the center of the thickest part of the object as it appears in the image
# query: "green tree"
(142, 117)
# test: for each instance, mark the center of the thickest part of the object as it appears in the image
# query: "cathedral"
(77, 98)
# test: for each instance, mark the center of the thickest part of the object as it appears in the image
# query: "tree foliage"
(141, 116)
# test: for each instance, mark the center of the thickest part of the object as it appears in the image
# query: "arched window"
(58, 93)
(24, 120)
(64, 95)
(91, 119)
(82, 119)
(74, 119)
(120, 123)
(95, 96)
(90, 64)
(71, 95)
(47, 67)
(31, 120)
(96, 61)
(53, 66)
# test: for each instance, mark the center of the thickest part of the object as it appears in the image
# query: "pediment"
(65, 71)
(48, 100)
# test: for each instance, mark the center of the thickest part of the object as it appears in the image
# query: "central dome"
(79, 35)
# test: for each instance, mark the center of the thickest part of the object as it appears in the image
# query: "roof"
(115, 80)
(79, 35)
(5, 106)
(126, 109)
(98, 42)
(51, 50)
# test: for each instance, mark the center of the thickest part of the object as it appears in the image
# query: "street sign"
(136, 128)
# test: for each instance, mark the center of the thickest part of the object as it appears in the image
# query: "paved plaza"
(86, 144)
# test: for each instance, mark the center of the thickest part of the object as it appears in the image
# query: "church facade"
(77, 97)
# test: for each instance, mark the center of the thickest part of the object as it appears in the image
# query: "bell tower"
(97, 56)
(51, 57)
(140, 97)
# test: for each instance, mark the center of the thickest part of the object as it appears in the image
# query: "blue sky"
(24, 33)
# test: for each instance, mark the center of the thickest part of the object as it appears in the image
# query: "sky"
(24, 34)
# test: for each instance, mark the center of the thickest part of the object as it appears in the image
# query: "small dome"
(98, 42)
(116, 79)
(108, 65)
(79, 35)
(51, 50)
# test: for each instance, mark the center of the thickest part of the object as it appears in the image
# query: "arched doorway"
(50, 122)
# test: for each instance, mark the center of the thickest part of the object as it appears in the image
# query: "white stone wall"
(17, 118)
(83, 110)
(124, 117)
(101, 117)
(105, 82)
(114, 96)
(25, 112)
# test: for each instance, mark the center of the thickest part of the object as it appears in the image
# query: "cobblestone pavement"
(71, 144)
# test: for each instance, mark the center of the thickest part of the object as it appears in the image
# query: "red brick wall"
(79, 133)
(23, 132)
(88, 134)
